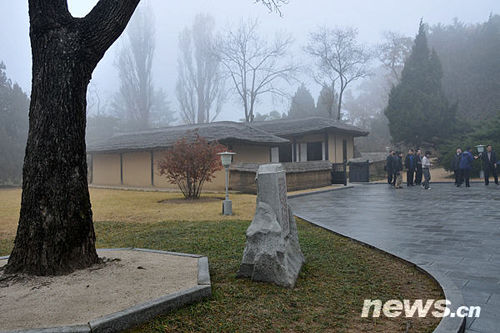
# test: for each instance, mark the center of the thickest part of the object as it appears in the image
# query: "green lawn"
(338, 276)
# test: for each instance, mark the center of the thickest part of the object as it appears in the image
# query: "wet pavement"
(455, 230)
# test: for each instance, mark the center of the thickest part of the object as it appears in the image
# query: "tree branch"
(105, 23)
(45, 15)
(273, 4)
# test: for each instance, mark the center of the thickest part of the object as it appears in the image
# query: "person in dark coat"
(418, 167)
(466, 165)
(395, 166)
(388, 167)
(455, 166)
(489, 158)
(398, 168)
(411, 165)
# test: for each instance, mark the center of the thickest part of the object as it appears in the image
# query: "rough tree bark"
(55, 233)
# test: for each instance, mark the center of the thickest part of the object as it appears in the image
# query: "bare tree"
(339, 58)
(393, 53)
(95, 104)
(100, 124)
(273, 4)
(137, 99)
(200, 85)
(253, 65)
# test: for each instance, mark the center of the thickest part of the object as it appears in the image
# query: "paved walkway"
(455, 230)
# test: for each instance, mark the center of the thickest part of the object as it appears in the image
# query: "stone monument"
(272, 252)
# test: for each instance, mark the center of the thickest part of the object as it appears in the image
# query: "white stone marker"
(272, 252)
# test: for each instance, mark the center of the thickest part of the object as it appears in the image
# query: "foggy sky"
(371, 17)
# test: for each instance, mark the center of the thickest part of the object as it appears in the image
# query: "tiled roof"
(166, 137)
(296, 126)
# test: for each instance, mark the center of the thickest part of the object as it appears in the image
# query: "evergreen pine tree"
(302, 104)
(327, 103)
(418, 110)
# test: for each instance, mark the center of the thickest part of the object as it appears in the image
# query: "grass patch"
(6, 246)
(338, 275)
(138, 207)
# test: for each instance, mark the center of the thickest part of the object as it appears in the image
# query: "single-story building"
(304, 146)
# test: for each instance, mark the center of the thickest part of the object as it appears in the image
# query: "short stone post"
(272, 252)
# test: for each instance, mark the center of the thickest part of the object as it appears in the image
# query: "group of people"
(462, 165)
(417, 167)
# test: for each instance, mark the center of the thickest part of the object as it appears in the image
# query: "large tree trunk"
(55, 233)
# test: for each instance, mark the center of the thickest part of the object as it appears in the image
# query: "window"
(314, 151)
(285, 153)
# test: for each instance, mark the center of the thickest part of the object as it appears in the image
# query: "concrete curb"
(317, 192)
(180, 254)
(138, 314)
(451, 293)
(203, 272)
(144, 312)
(450, 289)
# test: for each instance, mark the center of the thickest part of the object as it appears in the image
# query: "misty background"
(299, 18)
(452, 27)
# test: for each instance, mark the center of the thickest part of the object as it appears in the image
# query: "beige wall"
(335, 147)
(160, 181)
(251, 154)
(106, 169)
(332, 148)
(137, 169)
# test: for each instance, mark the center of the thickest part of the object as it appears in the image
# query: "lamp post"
(480, 150)
(226, 159)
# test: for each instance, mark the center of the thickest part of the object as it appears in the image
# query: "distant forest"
(470, 56)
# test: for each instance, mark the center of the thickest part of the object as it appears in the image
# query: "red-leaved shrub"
(190, 164)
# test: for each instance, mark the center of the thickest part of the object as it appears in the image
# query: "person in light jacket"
(398, 168)
(426, 169)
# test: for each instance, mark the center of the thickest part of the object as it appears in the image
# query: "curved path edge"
(450, 289)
